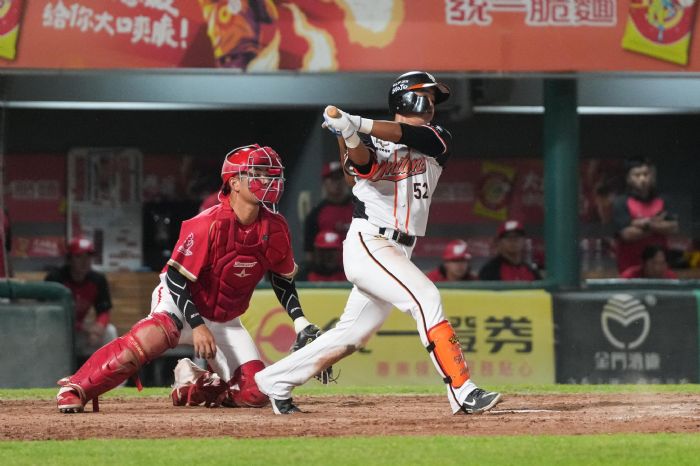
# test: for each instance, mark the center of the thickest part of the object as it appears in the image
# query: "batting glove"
(343, 124)
(362, 125)
(327, 125)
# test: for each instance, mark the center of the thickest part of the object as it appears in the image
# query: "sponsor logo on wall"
(626, 337)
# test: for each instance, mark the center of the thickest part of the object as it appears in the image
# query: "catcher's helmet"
(403, 100)
(261, 166)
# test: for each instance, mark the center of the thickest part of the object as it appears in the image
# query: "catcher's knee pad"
(444, 345)
(152, 336)
(248, 393)
(121, 358)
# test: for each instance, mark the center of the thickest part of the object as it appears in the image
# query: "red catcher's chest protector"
(239, 256)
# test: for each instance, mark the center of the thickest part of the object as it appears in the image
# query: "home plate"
(516, 411)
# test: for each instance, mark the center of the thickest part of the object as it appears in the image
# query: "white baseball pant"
(383, 277)
(234, 345)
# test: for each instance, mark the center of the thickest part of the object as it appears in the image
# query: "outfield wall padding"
(626, 336)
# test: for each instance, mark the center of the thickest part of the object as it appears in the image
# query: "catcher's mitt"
(306, 336)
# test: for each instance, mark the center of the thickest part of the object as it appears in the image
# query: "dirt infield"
(357, 415)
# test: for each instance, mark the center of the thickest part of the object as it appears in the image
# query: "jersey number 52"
(420, 190)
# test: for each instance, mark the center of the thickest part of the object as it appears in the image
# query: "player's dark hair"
(636, 162)
(226, 189)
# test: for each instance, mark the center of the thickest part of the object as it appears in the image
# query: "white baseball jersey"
(398, 190)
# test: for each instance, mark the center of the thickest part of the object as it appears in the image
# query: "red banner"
(344, 35)
(491, 191)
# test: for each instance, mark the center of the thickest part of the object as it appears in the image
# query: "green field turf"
(661, 449)
(622, 449)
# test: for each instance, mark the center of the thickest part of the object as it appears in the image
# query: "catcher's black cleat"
(479, 401)
(284, 406)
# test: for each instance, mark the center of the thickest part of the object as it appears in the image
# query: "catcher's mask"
(404, 100)
(261, 167)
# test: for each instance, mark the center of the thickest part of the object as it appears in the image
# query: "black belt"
(401, 238)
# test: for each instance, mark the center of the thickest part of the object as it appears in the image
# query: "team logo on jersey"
(244, 266)
(186, 247)
(399, 170)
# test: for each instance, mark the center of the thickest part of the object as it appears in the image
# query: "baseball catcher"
(206, 286)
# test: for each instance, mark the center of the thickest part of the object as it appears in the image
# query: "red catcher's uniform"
(225, 260)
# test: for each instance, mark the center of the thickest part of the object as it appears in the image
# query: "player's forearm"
(632, 233)
(360, 155)
(386, 130)
(342, 150)
(664, 227)
(286, 292)
(180, 292)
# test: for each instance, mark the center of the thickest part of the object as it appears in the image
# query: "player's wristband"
(300, 323)
(194, 321)
(366, 125)
(353, 140)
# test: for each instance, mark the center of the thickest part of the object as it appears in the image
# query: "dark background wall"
(671, 140)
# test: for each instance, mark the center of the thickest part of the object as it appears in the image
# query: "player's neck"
(246, 212)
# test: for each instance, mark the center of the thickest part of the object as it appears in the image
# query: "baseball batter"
(396, 170)
(221, 255)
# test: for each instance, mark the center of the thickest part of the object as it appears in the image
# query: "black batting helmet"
(403, 100)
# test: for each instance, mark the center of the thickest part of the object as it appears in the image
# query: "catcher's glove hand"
(306, 336)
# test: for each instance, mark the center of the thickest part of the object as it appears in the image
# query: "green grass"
(637, 449)
(320, 390)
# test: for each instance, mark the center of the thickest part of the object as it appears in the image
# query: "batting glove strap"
(362, 125)
(353, 140)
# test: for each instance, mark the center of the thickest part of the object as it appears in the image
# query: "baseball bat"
(332, 112)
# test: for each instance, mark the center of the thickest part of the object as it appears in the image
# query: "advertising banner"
(104, 204)
(507, 337)
(635, 336)
(352, 35)
(660, 28)
(35, 200)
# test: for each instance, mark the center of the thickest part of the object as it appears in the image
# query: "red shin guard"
(121, 358)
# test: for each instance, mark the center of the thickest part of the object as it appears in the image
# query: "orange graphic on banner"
(9, 27)
(493, 193)
(660, 28)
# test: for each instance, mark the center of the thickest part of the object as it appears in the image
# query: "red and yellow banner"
(660, 28)
(345, 35)
(10, 11)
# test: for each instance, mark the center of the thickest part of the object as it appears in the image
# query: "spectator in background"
(654, 265)
(640, 216)
(510, 263)
(455, 264)
(90, 290)
(334, 212)
(327, 265)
